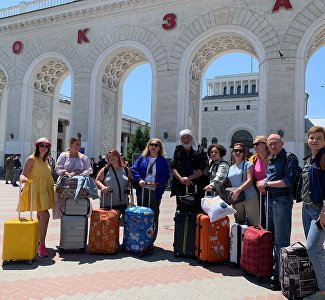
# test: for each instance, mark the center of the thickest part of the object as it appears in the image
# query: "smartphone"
(318, 225)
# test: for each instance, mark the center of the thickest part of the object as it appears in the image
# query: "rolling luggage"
(212, 239)
(139, 228)
(236, 243)
(104, 230)
(74, 225)
(20, 237)
(189, 202)
(257, 253)
(184, 234)
(73, 234)
(297, 275)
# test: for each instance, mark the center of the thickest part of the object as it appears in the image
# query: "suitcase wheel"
(205, 264)
(260, 279)
(29, 262)
(176, 254)
(5, 262)
(232, 265)
(61, 250)
(82, 250)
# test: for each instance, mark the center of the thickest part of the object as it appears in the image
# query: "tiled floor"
(123, 275)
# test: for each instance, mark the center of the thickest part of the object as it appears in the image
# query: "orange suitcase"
(212, 239)
(20, 238)
(104, 231)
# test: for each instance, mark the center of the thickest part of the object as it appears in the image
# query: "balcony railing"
(24, 7)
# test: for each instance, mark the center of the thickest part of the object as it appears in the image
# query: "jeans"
(280, 222)
(315, 242)
(16, 175)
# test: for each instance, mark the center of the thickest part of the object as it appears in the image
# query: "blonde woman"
(151, 170)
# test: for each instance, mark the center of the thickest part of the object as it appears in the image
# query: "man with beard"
(187, 167)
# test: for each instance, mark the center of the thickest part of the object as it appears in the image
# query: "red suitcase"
(212, 239)
(257, 254)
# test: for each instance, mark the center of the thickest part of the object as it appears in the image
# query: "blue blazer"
(139, 171)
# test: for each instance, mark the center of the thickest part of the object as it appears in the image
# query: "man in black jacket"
(187, 166)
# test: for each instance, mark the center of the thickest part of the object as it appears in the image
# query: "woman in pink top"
(260, 161)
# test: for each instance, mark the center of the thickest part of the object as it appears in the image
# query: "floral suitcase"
(20, 238)
(104, 231)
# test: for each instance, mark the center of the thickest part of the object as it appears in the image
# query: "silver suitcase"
(236, 243)
(76, 207)
(74, 231)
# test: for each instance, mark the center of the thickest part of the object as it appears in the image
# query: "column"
(66, 132)
(125, 144)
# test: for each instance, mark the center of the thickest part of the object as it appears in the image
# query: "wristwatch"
(265, 184)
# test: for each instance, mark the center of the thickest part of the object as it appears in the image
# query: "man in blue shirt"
(281, 172)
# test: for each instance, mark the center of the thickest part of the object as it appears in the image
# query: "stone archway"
(242, 30)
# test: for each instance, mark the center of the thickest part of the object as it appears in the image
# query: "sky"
(137, 88)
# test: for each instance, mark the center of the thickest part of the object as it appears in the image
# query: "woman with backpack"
(116, 179)
(217, 169)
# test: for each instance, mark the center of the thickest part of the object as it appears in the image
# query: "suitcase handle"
(104, 195)
(142, 196)
(30, 199)
(195, 188)
(298, 243)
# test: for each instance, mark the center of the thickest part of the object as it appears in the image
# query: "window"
(238, 89)
(225, 91)
(215, 108)
(253, 88)
(205, 109)
(214, 140)
(204, 142)
(237, 107)
(246, 89)
(248, 107)
(60, 127)
(244, 137)
(232, 90)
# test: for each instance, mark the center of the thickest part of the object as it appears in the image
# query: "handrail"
(24, 7)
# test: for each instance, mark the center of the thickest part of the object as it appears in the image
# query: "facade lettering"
(17, 47)
(281, 3)
(82, 38)
(170, 22)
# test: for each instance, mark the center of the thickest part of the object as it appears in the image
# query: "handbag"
(229, 190)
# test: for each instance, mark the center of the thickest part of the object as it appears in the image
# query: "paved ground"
(125, 276)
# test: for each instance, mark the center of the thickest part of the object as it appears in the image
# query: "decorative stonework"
(304, 19)
(216, 46)
(317, 43)
(120, 64)
(240, 17)
(41, 117)
(48, 76)
(107, 122)
(3, 82)
(131, 34)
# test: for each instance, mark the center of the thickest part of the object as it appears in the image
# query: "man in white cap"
(187, 167)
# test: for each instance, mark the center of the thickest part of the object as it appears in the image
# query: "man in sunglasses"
(281, 173)
(187, 167)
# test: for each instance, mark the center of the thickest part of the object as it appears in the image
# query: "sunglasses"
(238, 150)
(154, 145)
(257, 143)
(44, 146)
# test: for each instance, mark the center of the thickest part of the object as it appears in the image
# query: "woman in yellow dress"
(37, 169)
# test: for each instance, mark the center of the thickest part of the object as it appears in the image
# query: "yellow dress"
(43, 187)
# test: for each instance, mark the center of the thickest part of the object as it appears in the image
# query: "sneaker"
(15, 185)
(42, 252)
(316, 296)
(275, 283)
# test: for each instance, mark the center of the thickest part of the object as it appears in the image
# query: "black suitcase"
(184, 234)
(297, 275)
(190, 202)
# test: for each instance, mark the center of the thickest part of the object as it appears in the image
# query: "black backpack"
(296, 186)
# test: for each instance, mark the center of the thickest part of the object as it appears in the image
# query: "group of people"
(270, 171)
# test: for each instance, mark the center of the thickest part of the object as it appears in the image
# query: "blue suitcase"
(138, 229)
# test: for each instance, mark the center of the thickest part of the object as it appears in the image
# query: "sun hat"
(43, 140)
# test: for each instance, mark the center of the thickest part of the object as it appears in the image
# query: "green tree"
(139, 142)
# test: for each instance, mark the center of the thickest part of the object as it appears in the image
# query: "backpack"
(296, 186)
